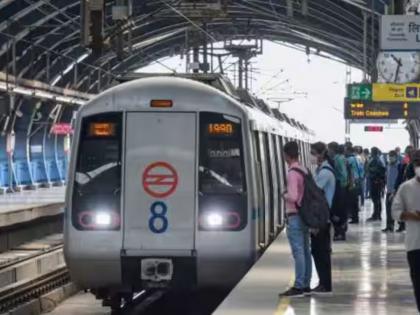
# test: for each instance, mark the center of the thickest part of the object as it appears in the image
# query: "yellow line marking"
(284, 301)
(283, 306)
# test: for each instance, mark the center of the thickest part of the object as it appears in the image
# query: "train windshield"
(97, 180)
(222, 184)
(221, 168)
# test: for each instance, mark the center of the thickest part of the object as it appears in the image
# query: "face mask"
(313, 159)
(392, 160)
(417, 170)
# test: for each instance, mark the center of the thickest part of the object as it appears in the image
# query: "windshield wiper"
(84, 178)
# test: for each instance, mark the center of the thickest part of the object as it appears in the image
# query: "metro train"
(174, 184)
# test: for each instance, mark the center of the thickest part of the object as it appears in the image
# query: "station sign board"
(396, 92)
(384, 92)
(400, 32)
(62, 129)
(359, 91)
(369, 110)
(374, 129)
(374, 121)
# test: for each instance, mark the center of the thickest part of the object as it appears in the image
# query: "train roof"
(216, 80)
(223, 84)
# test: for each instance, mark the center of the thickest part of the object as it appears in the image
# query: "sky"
(316, 86)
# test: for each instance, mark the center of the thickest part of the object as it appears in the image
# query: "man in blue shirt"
(356, 175)
(391, 183)
(376, 170)
(321, 240)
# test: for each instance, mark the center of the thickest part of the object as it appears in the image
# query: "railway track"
(25, 276)
(32, 289)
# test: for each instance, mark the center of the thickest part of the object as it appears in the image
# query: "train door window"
(97, 184)
(266, 185)
(281, 180)
(283, 141)
(302, 152)
(269, 186)
(274, 186)
(260, 214)
(222, 183)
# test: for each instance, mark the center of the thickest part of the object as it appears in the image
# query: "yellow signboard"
(388, 92)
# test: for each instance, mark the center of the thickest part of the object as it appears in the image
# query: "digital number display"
(102, 129)
(223, 129)
(374, 128)
(380, 110)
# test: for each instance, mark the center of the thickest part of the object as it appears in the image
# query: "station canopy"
(45, 40)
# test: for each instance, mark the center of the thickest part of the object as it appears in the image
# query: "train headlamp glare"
(214, 220)
(103, 219)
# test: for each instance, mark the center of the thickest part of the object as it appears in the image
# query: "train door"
(281, 180)
(160, 183)
(266, 184)
(274, 200)
(260, 190)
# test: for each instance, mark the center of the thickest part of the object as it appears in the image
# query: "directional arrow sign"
(359, 92)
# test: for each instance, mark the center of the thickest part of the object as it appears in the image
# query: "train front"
(158, 194)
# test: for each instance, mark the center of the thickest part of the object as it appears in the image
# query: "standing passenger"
(391, 181)
(362, 161)
(321, 241)
(406, 208)
(406, 172)
(339, 217)
(297, 231)
(355, 172)
(376, 171)
(367, 181)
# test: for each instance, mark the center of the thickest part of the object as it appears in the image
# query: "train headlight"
(103, 219)
(214, 220)
(99, 220)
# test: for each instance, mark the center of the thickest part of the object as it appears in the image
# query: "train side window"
(283, 141)
(97, 180)
(222, 182)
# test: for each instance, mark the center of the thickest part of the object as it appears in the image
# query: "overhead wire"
(189, 20)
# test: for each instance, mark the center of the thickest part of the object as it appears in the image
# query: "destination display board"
(369, 110)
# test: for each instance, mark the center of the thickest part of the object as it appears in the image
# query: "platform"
(28, 205)
(370, 277)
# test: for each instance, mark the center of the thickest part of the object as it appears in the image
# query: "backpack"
(314, 210)
(337, 202)
(354, 184)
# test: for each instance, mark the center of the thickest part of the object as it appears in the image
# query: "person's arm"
(343, 170)
(292, 187)
(397, 206)
(399, 210)
(321, 179)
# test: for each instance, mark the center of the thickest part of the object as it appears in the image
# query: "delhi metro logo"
(160, 179)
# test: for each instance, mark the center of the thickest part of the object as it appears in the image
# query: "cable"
(189, 20)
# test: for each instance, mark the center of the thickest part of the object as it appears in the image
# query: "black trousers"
(389, 220)
(353, 204)
(414, 262)
(339, 211)
(376, 195)
(321, 251)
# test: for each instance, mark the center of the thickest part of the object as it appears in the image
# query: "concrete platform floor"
(28, 199)
(370, 277)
